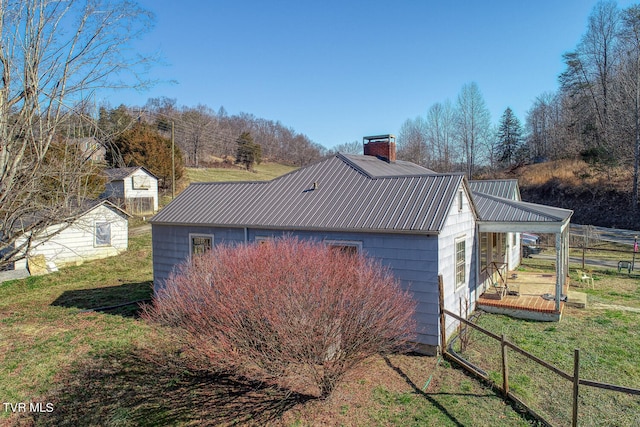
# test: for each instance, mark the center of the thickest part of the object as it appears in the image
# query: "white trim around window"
(460, 272)
(200, 243)
(102, 234)
(345, 244)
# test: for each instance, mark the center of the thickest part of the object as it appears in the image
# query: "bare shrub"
(293, 312)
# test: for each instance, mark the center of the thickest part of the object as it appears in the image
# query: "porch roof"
(500, 214)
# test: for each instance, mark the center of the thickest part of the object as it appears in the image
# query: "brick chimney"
(381, 146)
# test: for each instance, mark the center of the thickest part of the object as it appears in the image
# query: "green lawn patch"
(261, 172)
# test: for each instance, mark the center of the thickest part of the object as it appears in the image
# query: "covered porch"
(503, 290)
(529, 295)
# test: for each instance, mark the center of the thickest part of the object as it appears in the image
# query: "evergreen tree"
(248, 152)
(509, 139)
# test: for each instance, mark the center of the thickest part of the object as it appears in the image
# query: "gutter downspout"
(246, 235)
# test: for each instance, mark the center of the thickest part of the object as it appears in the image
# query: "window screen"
(103, 234)
(200, 244)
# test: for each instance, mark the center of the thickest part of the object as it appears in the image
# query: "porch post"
(559, 268)
(566, 258)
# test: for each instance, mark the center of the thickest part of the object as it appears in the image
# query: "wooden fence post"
(576, 382)
(505, 367)
(443, 330)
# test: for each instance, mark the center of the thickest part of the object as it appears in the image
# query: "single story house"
(423, 225)
(98, 229)
(134, 188)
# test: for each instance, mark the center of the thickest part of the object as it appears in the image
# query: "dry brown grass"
(565, 170)
(575, 173)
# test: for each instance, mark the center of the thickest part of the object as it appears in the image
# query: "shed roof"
(343, 192)
(118, 174)
(63, 215)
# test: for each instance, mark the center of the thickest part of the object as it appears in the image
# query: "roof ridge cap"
(350, 163)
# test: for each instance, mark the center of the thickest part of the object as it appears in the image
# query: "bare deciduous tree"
(474, 125)
(440, 127)
(412, 142)
(197, 127)
(630, 84)
(354, 147)
(53, 55)
(590, 70)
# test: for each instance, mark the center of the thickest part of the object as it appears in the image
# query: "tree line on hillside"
(142, 136)
(594, 114)
(202, 133)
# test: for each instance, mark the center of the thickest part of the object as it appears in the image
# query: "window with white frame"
(352, 247)
(461, 261)
(103, 234)
(200, 243)
(141, 182)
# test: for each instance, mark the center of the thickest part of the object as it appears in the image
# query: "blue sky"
(339, 70)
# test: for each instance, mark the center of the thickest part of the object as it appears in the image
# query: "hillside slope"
(597, 196)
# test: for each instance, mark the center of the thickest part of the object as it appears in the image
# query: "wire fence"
(553, 395)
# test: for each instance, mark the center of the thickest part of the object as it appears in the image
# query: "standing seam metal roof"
(505, 188)
(497, 209)
(377, 197)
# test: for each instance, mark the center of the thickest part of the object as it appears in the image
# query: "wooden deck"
(529, 303)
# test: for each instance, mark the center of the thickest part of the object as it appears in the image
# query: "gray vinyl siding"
(170, 245)
(411, 258)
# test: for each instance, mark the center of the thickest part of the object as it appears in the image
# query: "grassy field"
(608, 336)
(110, 368)
(262, 172)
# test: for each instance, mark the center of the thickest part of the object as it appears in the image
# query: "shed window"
(351, 247)
(460, 200)
(461, 262)
(200, 243)
(103, 234)
(140, 182)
